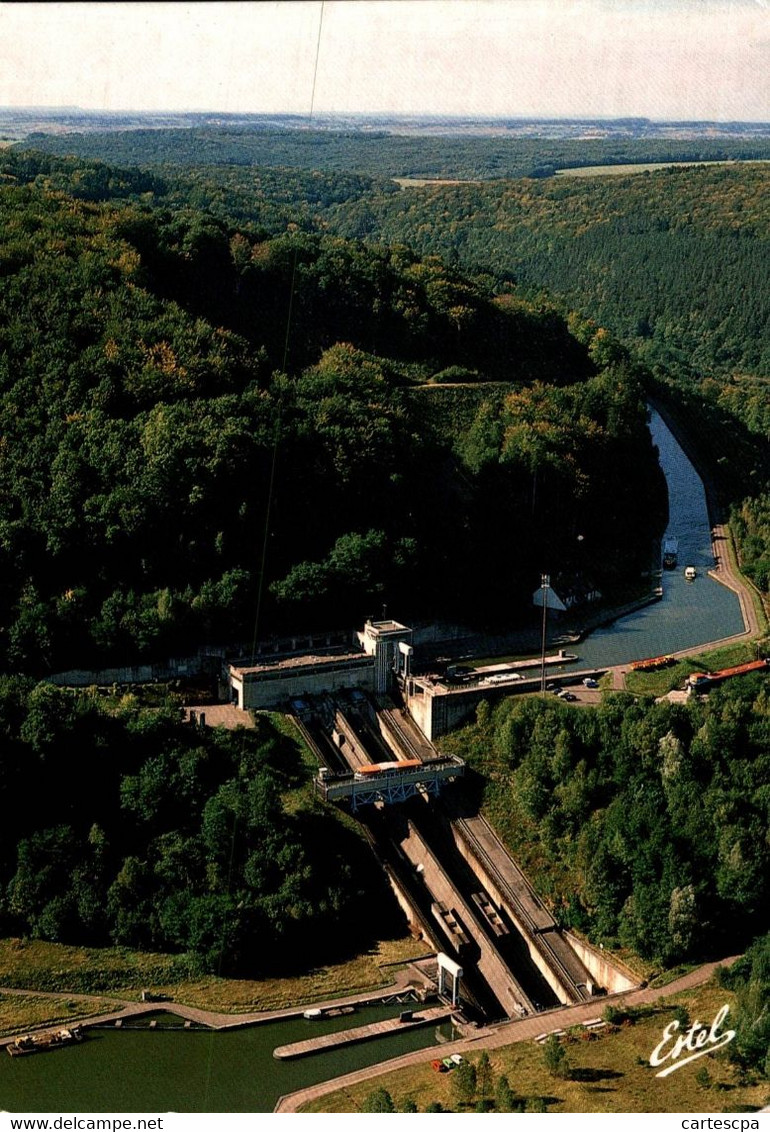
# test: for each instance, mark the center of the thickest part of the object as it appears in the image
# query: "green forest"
(643, 824)
(380, 153)
(204, 428)
(674, 262)
(155, 834)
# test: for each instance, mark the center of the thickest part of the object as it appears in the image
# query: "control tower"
(390, 643)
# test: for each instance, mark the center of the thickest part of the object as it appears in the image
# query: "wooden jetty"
(324, 1042)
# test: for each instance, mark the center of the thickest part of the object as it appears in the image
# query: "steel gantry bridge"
(390, 783)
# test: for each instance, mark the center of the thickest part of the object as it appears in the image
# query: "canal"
(143, 1070)
(691, 613)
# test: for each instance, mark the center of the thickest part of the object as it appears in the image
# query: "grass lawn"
(366, 972)
(666, 679)
(610, 1073)
(36, 965)
(19, 1013)
(303, 796)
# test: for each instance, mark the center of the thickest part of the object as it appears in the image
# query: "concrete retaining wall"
(268, 693)
(202, 664)
(603, 970)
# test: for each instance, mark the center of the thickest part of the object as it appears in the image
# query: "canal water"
(135, 1070)
(691, 613)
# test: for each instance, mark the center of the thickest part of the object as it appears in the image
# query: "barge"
(39, 1043)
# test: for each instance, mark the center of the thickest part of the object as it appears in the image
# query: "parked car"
(589, 682)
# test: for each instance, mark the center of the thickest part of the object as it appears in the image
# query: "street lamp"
(545, 585)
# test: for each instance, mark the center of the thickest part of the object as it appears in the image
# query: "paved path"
(221, 715)
(434, 1014)
(504, 1034)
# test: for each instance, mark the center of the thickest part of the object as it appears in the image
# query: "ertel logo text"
(696, 1041)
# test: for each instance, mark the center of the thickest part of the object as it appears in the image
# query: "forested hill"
(265, 200)
(201, 425)
(380, 154)
(676, 262)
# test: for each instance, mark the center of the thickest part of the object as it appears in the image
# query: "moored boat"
(670, 551)
(315, 1013)
(38, 1043)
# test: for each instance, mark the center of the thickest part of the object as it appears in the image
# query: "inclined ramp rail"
(533, 920)
(496, 972)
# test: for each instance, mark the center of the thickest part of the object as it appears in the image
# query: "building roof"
(298, 662)
(387, 627)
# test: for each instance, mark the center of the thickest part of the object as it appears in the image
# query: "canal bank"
(504, 1034)
(726, 569)
(409, 981)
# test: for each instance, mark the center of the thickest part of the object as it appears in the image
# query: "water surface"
(691, 613)
(190, 1071)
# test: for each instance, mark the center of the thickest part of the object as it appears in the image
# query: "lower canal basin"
(143, 1070)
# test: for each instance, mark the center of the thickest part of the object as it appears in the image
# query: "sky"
(664, 59)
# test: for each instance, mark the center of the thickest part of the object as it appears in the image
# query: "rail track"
(530, 914)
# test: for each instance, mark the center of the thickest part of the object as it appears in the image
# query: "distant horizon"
(386, 115)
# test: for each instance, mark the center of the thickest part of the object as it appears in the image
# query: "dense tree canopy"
(151, 833)
(674, 261)
(199, 421)
(644, 824)
(379, 153)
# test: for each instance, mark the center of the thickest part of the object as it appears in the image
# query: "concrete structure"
(389, 643)
(438, 707)
(569, 978)
(607, 971)
(369, 662)
(391, 784)
(442, 889)
(449, 976)
(274, 681)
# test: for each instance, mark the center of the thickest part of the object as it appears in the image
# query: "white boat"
(313, 1014)
(690, 573)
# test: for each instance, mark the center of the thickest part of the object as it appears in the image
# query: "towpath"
(410, 978)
